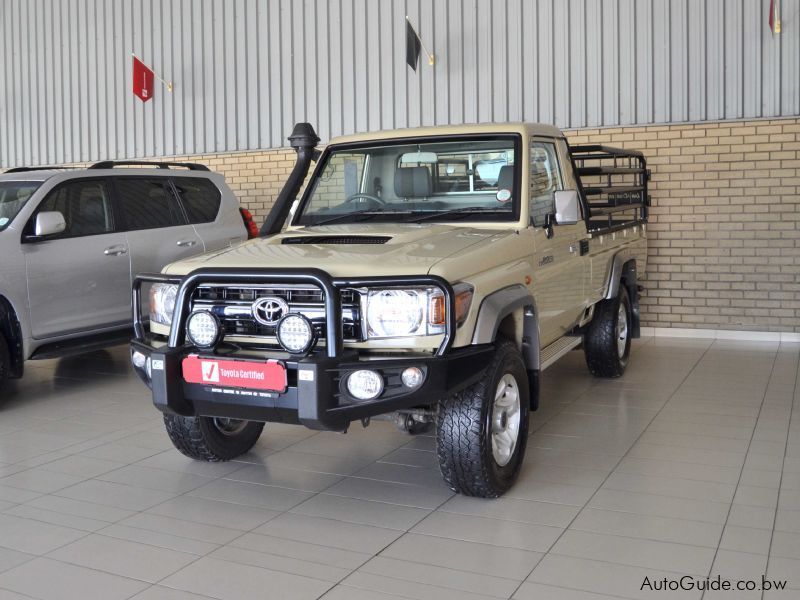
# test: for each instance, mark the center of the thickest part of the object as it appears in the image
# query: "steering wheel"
(361, 197)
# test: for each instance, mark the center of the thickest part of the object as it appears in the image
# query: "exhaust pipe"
(304, 140)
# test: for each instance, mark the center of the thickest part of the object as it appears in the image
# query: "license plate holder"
(269, 375)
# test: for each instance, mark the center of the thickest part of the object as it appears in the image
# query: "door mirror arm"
(549, 221)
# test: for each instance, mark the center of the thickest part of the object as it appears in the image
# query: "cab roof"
(524, 129)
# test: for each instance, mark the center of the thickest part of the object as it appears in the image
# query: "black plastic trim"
(111, 164)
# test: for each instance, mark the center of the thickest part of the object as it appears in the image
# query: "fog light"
(295, 333)
(203, 329)
(149, 368)
(412, 377)
(365, 384)
(138, 359)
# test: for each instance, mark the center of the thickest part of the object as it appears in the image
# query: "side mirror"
(568, 209)
(49, 223)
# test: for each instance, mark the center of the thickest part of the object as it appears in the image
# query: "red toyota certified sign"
(269, 375)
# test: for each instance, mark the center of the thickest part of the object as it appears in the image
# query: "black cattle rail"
(316, 277)
(614, 183)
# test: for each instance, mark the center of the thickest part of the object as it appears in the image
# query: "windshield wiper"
(463, 211)
(370, 212)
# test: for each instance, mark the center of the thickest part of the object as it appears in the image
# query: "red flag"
(774, 19)
(143, 80)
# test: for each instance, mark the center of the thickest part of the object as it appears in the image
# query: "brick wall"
(724, 233)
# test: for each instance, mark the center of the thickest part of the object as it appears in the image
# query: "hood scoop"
(336, 239)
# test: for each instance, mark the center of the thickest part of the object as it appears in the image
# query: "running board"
(550, 354)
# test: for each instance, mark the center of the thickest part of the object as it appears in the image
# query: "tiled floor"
(689, 465)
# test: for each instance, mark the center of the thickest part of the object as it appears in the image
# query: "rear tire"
(607, 341)
(5, 364)
(481, 432)
(211, 439)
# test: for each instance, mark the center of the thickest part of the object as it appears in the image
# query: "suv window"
(13, 196)
(545, 180)
(200, 198)
(148, 203)
(85, 205)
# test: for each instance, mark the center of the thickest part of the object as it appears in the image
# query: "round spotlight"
(203, 329)
(412, 377)
(295, 333)
(365, 384)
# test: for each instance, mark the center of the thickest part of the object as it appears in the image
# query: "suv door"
(558, 265)
(78, 280)
(157, 230)
(215, 215)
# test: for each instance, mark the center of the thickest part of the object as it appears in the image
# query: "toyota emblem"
(270, 310)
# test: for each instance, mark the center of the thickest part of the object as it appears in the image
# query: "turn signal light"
(437, 312)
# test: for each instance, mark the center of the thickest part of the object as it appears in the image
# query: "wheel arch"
(11, 330)
(512, 310)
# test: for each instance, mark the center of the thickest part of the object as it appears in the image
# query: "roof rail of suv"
(110, 164)
(25, 169)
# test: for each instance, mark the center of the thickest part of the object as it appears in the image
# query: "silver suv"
(72, 240)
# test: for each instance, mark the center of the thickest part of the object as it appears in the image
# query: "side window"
(148, 203)
(567, 173)
(85, 206)
(545, 180)
(200, 198)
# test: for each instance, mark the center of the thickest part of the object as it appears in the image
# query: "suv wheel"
(607, 342)
(5, 363)
(210, 438)
(482, 431)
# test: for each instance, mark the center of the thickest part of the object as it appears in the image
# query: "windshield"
(13, 196)
(464, 179)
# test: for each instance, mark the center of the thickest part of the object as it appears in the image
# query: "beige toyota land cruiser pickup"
(428, 274)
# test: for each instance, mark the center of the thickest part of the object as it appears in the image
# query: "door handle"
(115, 250)
(186, 243)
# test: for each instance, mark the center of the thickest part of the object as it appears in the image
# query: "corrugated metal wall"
(246, 70)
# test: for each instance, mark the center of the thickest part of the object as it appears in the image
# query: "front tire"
(481, 432)
(212, 439)
(607, 341)
(5, 364)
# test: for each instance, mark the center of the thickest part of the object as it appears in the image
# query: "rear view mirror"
(49, 223)
(419, 158)
(568, 211)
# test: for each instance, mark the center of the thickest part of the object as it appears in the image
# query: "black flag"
(413, 46)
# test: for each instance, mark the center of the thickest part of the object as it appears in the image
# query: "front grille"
(232, 305)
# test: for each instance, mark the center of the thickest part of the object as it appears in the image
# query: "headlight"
(162, 302)
(405, 312)
(394, 313)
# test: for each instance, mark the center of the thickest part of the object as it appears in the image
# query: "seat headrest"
(505, 179)
(412, 182)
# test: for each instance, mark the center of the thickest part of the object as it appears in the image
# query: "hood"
(394, 249)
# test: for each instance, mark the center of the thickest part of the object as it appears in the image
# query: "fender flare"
(623, 266)
(497, 306)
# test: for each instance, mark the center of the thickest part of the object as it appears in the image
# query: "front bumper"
(315, 395)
